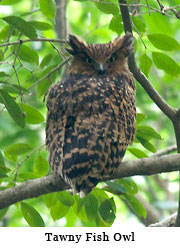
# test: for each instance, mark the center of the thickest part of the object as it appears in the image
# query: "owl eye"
(89, 61)
(112, 58)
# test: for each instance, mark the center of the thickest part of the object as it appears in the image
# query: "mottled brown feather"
(91, 116)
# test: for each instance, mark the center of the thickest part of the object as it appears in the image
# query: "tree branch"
(168, 222)
(166, 151)
(48, 184)
(174, 115)
(139, 76)
(164, 9)
(176, 124)
(61, 19)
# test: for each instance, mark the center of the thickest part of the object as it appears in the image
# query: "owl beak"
(101, 68)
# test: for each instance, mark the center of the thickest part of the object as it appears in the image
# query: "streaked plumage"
(92, 113)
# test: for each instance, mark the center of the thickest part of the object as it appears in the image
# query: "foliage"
(28, 66)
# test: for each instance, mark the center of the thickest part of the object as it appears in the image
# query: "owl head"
(100, 59)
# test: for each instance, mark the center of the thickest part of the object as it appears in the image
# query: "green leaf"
(3, 213)
(2, 163)
(48, 8)
(12, 108)
(108, 6)
(116, 188)
(31, 215)
(145, 64)
(107, 210)
(21, 25)
(129, 185)
(136, 205)
(147, 133)
(28, 54)
(42, 26)
(91, 207)
(101, 223)
(58, 210)
(9, 2)
(12, 88)
(41, 166)
(50, 199)
(139, 24)
(1, 55)
(3, 172)
(3, 169)
(18, 149)
(33, 116)
(3, 75)
(4, 33)
(45, 84)
(149, 146)
(116, 24)
(13, 158)
(139, 118)
(164, 62)
(43, 87)
(46, 60)
(26, 175)
(138, 153)
(163, 42)
(66, 198)
(78, 207)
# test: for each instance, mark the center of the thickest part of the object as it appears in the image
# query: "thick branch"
(37, 187)
(61, 19)
(139, 76)
(176, 124)
(168, 222)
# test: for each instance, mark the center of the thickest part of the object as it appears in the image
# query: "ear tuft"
(124, 44)
(76, 45)
(128, 42)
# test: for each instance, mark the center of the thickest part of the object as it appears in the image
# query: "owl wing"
(103, 125)
(130, 108)
(123, 104)
(114, 110)
(55, 126)
(89, 122)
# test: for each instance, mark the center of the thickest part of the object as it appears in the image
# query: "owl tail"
(82, 163)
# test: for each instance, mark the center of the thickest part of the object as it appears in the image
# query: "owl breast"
(91, 121)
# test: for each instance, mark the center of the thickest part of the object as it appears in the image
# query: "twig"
(15, 52)
(166, 151)
(25, 159)
(165, 9)
(37, 187)
(160, 5)
(49, 74)
(162, 11)
(31, 40)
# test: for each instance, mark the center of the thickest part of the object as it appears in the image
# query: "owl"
(91, 114)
